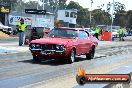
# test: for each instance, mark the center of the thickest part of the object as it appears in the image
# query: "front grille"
(48, 47)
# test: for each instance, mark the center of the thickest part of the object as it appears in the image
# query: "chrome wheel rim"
(72, 56)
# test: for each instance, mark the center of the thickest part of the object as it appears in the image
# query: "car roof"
(66, 28)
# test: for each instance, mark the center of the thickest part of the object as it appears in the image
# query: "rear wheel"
(36, 59)
(91, 53)
(71, 58)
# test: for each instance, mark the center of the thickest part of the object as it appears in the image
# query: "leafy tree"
(62, 4)
(32, 5)
(4, 2)
(129, 19)
(54, 5)
(119, 12)
(108, 7)
(101, 16)
(82, 14)
(50, 5)
(106, 17)
(120, 18)
(83, 17)
(118, 6)
(20, 6)
(10, 3)
(74, 5)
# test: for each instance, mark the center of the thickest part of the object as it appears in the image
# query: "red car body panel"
(82, 46)
(49, 40)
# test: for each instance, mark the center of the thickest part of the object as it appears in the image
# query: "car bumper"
(50, 54)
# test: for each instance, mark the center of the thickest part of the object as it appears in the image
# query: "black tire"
(71, 57)
(36, 59)
(8, 33)
(91, 53)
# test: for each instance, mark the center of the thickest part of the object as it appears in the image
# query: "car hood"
(2, 26)
(52, 40)
(7, 27)
(115, 33)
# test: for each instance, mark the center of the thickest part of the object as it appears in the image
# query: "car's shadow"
(53, 62)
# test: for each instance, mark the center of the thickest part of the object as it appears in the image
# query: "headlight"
(63, 47)
(57, 47)
(32, 46)
(35, 46)
(60, 47)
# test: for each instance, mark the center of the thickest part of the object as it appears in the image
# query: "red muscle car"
(64, 43)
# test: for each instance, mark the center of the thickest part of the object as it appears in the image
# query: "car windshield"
(63, 33)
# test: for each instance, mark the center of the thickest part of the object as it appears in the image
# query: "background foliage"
(99, 16)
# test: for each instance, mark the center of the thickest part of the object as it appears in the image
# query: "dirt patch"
(3, 35)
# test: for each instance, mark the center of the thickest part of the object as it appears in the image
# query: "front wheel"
(91, 53)
(71, 58)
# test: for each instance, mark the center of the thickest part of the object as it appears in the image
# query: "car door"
(87, 42)
(84, 41)
(80, 42)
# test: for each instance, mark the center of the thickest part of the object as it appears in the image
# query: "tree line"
(99, 16)
(103, 17)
